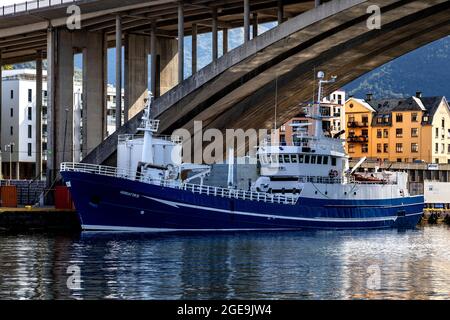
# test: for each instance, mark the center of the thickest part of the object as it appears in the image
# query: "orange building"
(399, 130)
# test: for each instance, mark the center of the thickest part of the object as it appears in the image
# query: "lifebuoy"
(333, 173)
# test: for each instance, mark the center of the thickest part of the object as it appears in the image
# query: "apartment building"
(413, 129)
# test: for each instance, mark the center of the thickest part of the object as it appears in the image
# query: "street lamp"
(10, 147)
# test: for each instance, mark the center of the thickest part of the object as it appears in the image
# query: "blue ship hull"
(110, 203)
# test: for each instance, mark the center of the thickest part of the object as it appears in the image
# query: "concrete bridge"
(237, 90)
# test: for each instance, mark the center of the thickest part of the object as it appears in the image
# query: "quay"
(38, 220)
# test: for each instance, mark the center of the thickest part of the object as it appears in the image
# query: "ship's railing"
(195, 188)
(127, 137)
(235, 193)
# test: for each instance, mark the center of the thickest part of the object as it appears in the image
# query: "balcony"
(357, 124)
(360, 139)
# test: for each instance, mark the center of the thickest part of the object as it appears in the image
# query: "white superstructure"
(317, 166)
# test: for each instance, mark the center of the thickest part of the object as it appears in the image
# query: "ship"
(306, 184)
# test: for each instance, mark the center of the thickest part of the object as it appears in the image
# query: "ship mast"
(317, 114)
(149, 126)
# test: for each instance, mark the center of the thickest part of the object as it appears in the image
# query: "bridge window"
(313, 159)
(307, 158)
(319, 159)
(294, 158)
(287, 158)
(325, 159)
(333, 161)
(280, 158)
(274, 158)
(300, 158)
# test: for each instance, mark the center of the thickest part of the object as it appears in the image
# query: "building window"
(414, 132)
(29, 149)
(399, 147)
(399, 117)
(436, 147)
(12, 94)
(386, 148)
(379, 133)
(30, 113)
(11, 112)
(11, 130)
(436, 160)
(283, 128)
(448, 148)
(380, 120)
(365, 148)
(414, 147)
(399, 159)
(30, 95)
(365, 119)
(413, 117)
(399, 133)
(437, 132)
(443, 148)
(351, 148)
(365, 133)
(443, 123)
(379, 147)
(385, 133)
(30, 133)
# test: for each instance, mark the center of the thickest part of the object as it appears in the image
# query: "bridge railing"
(31, 5)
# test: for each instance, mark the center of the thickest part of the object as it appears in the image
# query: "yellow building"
(399, 130)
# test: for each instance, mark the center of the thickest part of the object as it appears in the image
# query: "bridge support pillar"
(255, 25)
(280, 12)
(63, 136)
(180, 42)
(225, 40)
(136, 74)
(63, 107)
(94, 85)
(194, 48)
(154, 61)
(215, 35)
(168, 63)
(246, 21)
(118, 71)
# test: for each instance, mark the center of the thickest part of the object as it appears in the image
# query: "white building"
(18, 126)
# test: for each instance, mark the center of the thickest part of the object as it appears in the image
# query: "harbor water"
(377, 264)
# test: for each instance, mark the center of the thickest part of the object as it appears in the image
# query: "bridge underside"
(238, 90)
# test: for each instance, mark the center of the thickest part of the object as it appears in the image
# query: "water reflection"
(413, 264)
